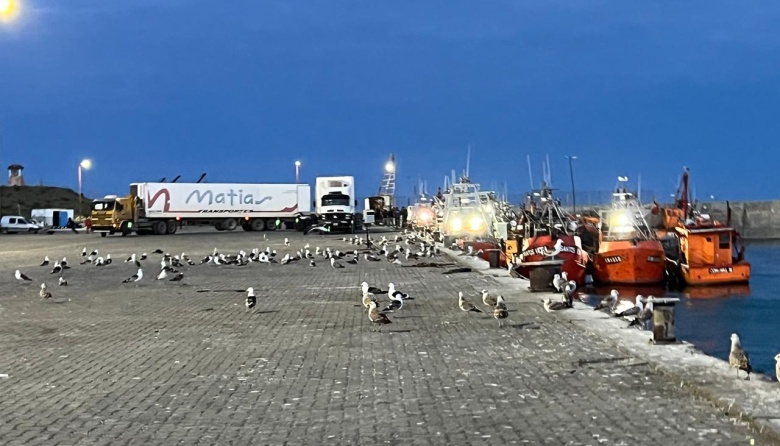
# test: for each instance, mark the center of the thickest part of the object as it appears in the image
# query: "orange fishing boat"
(702, 251)
(629, 252)
(549, 238)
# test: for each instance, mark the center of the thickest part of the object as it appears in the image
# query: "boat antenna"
(468, 160)
(530, 173)
(549, 172)
(639, 187)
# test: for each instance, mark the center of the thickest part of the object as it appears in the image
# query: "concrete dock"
(156, 362)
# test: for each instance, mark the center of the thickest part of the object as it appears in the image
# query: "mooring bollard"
(663, 319)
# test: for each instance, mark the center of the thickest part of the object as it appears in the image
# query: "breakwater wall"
(755, 220)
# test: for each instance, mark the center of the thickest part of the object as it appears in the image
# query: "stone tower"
(15, 177)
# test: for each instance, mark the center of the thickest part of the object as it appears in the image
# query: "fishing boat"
(549, 238)
(629, 252)
(700, 250)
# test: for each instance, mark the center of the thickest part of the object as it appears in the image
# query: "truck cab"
(335, 205)
(113, 214)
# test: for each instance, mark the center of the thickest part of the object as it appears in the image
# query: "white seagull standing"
(44, 293)
(135, 277)
(777, 366)
(20, 276)
(251, 300)
(558, 282)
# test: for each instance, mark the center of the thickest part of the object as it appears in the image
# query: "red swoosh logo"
(153, 199)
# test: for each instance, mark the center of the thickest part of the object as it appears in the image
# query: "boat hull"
(629, 262)
(716, 275)
(573, 259)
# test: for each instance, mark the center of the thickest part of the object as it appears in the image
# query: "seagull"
(371, 289)
(500, 302)
(94, 252)
(45, 261)
(500, 312)
(777, 366)
(558, 282)
(143, 256)
(177, 278)
(376, 317)
(131, 258)
(568, 292)
(63, 281)
(738, 357)
(465, 305)
(157, 251)
(286, 241)
(335, 264)
(608, 301)
(44, 293)
(487, 299)
(371, 258)
(84, 252)
(135, 277)
(367, 299)
(392, 293)
(108, 259)
(551, 306)
(163, 275)
(19, 276)
(353, 261)
(625, 307)
(251, 300)
(87, 260)
(57, 268)
(396, 305)
(645, 315)
(64, 263)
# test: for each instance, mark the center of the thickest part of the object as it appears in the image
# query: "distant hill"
(20, 200)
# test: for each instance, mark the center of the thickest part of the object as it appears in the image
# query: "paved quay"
(165, 363)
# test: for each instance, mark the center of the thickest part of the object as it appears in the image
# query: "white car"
(12, 224)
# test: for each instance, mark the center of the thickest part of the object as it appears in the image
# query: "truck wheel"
(230, 224)
(270, 225)
(247, 227)
(171, 226)
(103, 234)
(159, 228)
(257, 224)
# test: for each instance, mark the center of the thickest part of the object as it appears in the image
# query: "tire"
(230, 224)
(258, 224)
(104, 234)
(270, 225)
(247, 227)
(160, 227)
(171, 226)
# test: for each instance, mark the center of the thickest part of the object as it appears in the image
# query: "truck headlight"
(475, 223)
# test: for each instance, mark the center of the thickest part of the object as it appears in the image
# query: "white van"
(12, 224)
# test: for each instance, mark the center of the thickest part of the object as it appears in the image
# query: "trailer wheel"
(103, 234)
(171, 226)
(247, 227)
(270, 225)
(159, 228)
(229, 224)
(258, 224)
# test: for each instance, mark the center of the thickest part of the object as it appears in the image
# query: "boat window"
(724, 242)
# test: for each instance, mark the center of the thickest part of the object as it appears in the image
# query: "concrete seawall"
(755, 220)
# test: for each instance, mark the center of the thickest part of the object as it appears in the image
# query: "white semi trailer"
(160, 208)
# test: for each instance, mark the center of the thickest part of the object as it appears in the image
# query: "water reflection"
(717, 292)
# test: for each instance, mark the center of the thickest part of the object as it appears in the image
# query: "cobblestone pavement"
(165, 363)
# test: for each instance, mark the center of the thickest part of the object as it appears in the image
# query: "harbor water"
(706, 316)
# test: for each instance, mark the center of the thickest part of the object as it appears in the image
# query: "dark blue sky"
(241, 89)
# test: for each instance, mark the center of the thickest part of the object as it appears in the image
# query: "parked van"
(12, 224)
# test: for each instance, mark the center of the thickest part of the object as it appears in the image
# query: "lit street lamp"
(297, 171)
(571, 174)
(83, 165)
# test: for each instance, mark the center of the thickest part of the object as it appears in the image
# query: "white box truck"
(160, 208)
(336, 205)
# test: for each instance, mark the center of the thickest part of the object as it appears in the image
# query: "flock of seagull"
(638, 312)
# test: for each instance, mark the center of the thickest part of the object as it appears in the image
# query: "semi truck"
(161, 208)
(335, 205)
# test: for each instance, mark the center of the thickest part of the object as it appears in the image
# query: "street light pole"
(571, 174)
(85, 165)
(297, 172)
